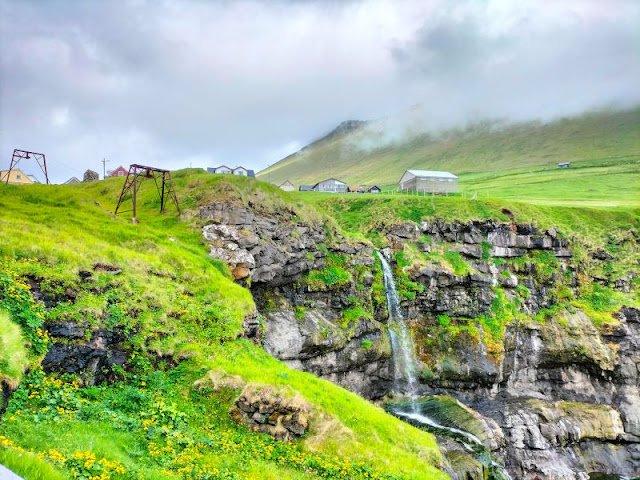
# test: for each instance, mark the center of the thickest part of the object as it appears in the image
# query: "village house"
(71, 180)
(365, 189)
(16, 177)
(223, 169)
(564, 165)
(305, 188)
(287, 186)
(332, 185)
(428, 181)
(118, 172)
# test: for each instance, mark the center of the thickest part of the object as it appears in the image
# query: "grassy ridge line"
(478, 148)
(364, 213)
(167, 280)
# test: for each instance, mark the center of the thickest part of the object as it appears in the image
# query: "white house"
(430, 181)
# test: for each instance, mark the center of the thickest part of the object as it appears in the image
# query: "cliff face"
(559, 389)
(497, 324)
(313, 290)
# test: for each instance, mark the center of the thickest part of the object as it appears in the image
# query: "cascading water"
(404, 360)
(405, 367)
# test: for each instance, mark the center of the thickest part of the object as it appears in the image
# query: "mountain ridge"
(367, 152)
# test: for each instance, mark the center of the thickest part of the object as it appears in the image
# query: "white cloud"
(186, 82)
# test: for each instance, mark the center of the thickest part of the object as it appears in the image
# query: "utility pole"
(104, 168)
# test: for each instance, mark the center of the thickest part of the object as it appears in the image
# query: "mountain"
(378, 152)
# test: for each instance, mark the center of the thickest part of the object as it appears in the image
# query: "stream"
(405, 382)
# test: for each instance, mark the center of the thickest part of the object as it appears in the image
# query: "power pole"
(104, 168)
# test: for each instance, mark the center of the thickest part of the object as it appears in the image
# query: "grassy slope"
(176, 301)
(602, 136)
(589, 228)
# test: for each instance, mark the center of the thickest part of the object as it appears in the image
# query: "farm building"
(118, 172)
(564, 165)
(374, 189)
(223, 169)
(330, 185)
(428, 181)
(359, 189)
(16, 177)
(305, 188)
(287, 186)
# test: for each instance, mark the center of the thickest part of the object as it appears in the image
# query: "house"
(564, 165)
(332, 185)
(244, 171)
(428, 181)
(71, 180)
(223, 169)
(16, 177)
(374, 189)
(287, 186)
(118, 172)
(358, 189)
(305, 188)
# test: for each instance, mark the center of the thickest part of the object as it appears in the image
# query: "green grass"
(13, 353)
(178, 306)
(482, 154)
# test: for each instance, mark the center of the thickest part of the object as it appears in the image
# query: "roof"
(431, 173)
(286, 182)
(72, 180)
(327, 179)
(374, 186)
(305, 188)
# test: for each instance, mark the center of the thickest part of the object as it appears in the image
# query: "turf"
(182, 314)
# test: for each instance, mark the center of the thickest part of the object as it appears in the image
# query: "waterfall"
(405, 365)
(402, 347)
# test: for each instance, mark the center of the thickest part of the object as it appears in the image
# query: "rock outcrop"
(282, 414)
(558, 397)
(304, 321)
(77, 349)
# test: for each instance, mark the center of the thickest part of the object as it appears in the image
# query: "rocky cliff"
(314, 293)
(498, 318)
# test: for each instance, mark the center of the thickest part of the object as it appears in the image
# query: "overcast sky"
(202, 83)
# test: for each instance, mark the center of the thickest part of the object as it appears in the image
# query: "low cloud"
(192, 82)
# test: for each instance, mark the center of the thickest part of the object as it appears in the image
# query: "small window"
(18, 176)
(121, 173)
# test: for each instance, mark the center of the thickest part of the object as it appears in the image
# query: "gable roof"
(327, 179)
(286, 182)
(431, 173)
(72, 180)
(408, 174)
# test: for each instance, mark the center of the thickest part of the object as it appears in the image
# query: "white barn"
(287, 186)
(330, 185)
(429, 181)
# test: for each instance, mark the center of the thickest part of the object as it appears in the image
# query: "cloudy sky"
(179, 83)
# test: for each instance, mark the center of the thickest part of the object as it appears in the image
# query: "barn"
(330, 185)
(428, 181)
(287, 186)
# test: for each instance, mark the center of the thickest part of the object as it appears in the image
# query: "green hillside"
(488, 148)
(181, 314)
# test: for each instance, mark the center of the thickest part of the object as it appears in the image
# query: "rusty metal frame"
(138, 174)
(18, 155)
